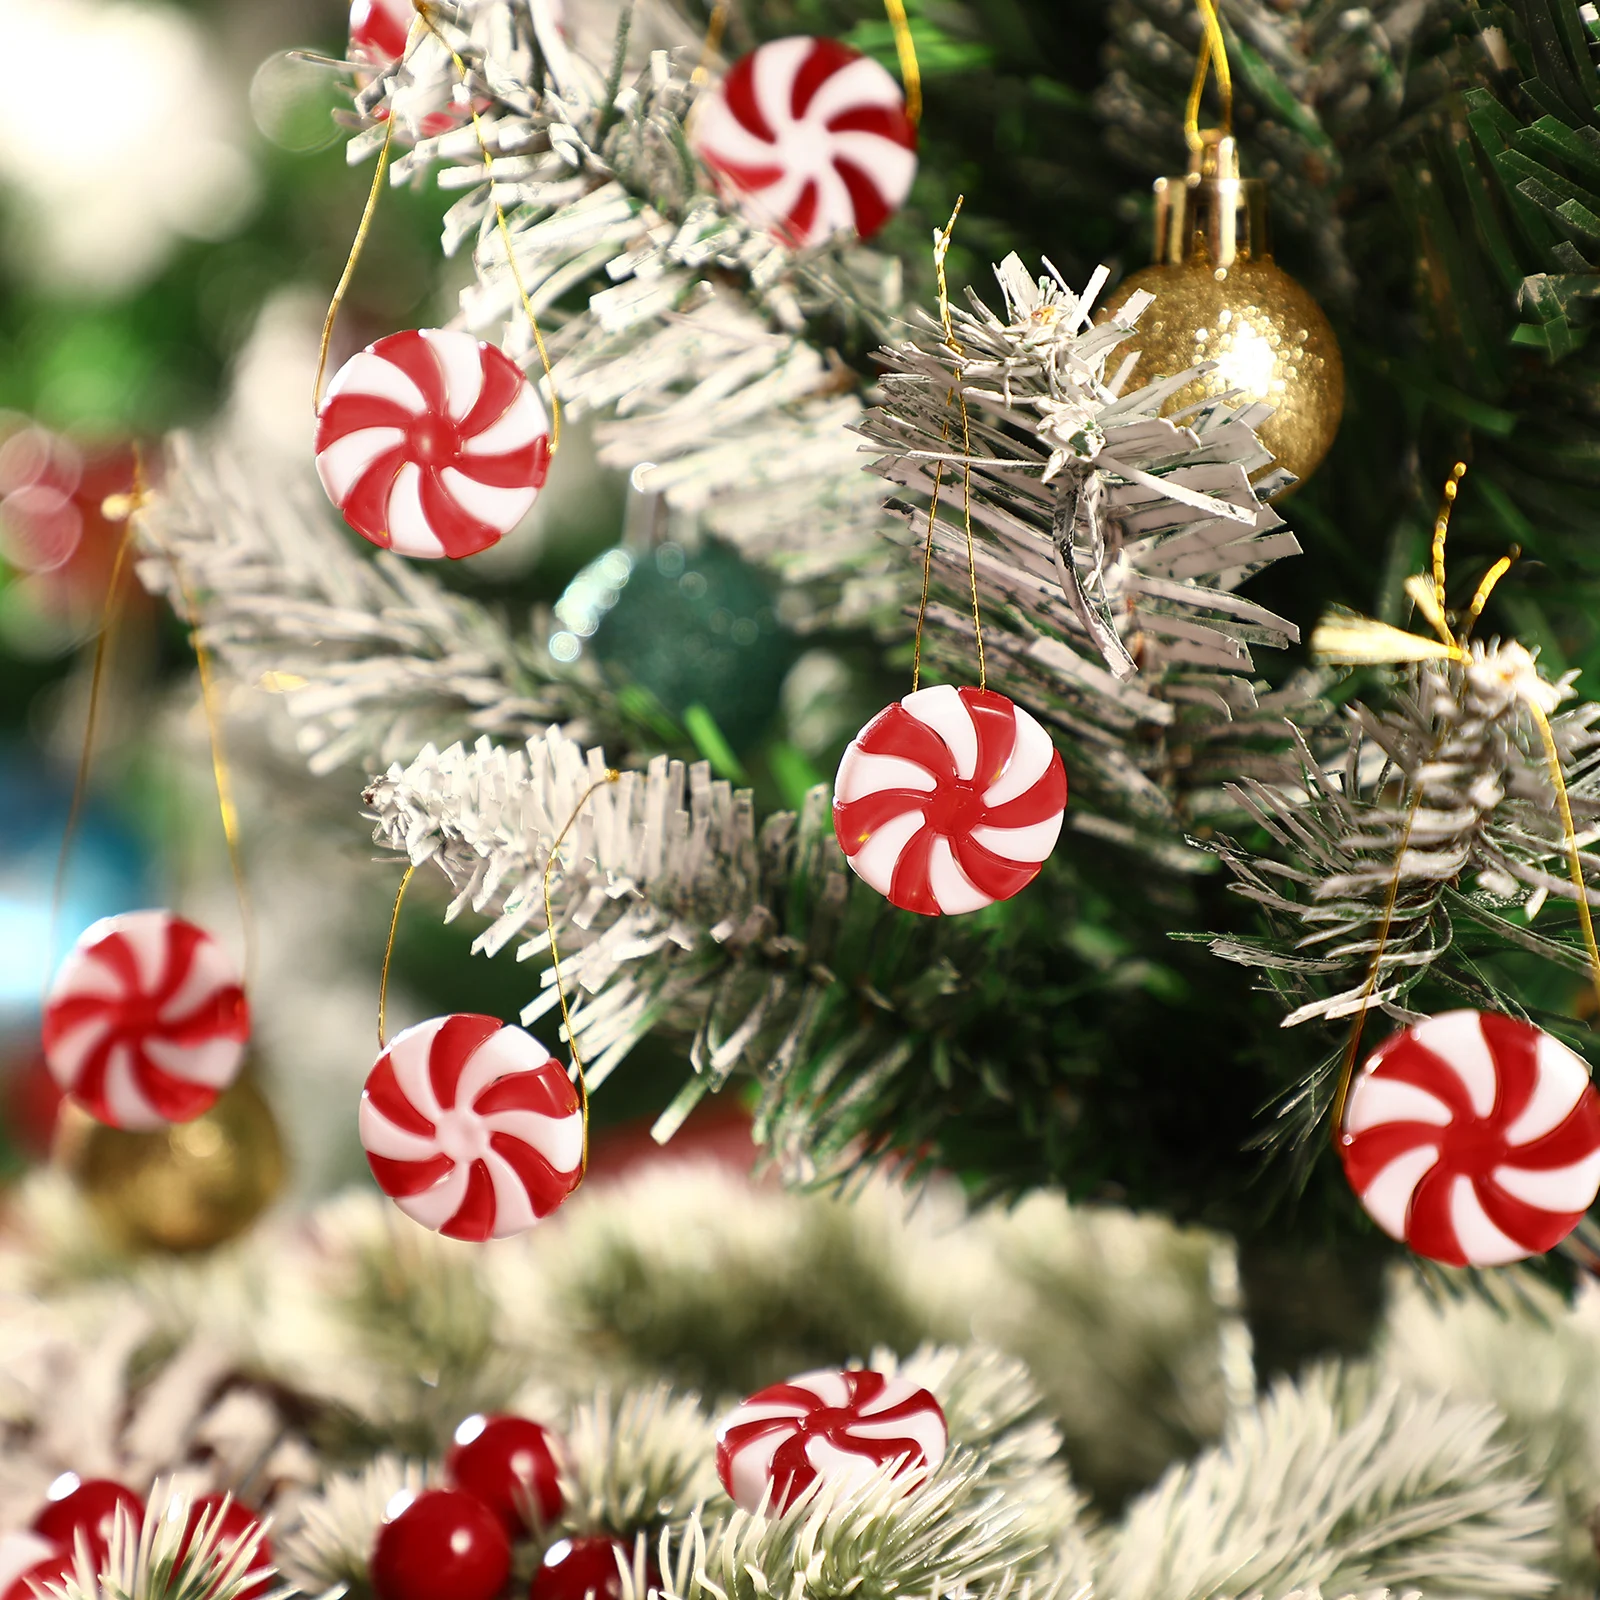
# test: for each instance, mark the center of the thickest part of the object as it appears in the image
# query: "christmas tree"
(822, 344)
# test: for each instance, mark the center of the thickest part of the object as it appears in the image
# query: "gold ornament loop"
(1213, 53)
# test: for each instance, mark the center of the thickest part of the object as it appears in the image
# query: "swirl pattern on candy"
(1474, 1138)
(146, 1021)
(949, 800)
(471, 1128)
(841, 1427)
(432, 443)
(811, 138)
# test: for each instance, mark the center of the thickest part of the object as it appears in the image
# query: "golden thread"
(356, 247)
(713, 41)
(940, 250)
(906, 48)
(1441, 530)
(128, 508)
(228, 810)
(388, 957)
(1481, 598)
(1574, 857)
(612, 776)
(1213, 52)
(503, 226)
(1353, 1047)
(80, 787)
(927, 568)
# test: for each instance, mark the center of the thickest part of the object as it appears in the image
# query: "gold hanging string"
(941, 248)
(210, 704)
(357, 246)
(906, 48)
(612, 776)
(1574, 857)
(126, 509)
(1352, 1049)
(713, 41)
(501, 223)
(80, 786)
(388, 957)
(1213, 53)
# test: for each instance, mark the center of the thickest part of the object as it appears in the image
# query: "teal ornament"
(695, 627)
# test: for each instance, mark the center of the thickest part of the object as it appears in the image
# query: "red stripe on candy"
(474, 1218)
(826, 57)
(546, 1187)
(414, 356)
(547, 1091)
(454, 1045)
(458, 531)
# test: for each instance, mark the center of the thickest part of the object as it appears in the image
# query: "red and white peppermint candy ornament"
(432, 443)
(146, 1021)
(471, 1128)
(949, 800)
(842, 1427)
(811, 137)
(379, 30)
(1474, 1138)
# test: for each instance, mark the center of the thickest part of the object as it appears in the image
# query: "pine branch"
(993, 1518)
(1448, 785)
(1108, 542)
(1340, 1481)
(370, 654)
(146, 1559)
(637, 1464)
(709, 350)
(329, 1544)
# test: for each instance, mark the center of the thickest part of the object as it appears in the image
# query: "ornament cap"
(1211, 214)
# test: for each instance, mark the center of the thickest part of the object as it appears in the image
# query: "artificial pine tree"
(913, 465)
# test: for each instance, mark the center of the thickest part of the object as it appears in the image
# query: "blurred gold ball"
(1267, 335)
(185, 1188)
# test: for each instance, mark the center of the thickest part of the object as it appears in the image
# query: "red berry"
(581, 1569)
(89, 1504)
(444, 1546)
(49, 1569)
(236, 1521)
(507, 1463)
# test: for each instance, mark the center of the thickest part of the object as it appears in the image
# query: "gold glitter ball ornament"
(1221, 297)
(186, 1188)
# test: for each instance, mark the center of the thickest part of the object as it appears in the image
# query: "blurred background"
(168, 260)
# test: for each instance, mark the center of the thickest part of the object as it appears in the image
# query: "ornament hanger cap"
(1211, 214)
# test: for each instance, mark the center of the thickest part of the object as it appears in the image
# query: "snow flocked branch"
(1108, 541)
(1445, 799)
(706, 348)
(371, 654)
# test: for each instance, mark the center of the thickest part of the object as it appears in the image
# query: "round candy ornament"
(582, 1569)
(432, 443)
(810, 138)
(949, 800)
(471, 1128)
(841, 1427)
(146, 1021)
(443, 1544)
(508, 1464)
(1474, 1138)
